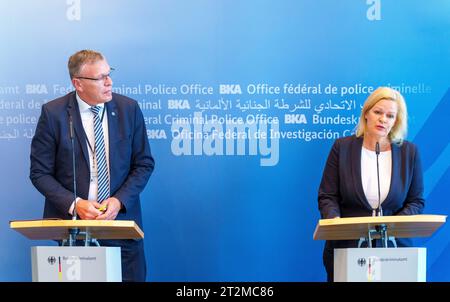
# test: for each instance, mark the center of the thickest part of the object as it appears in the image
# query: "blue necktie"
(100, 155)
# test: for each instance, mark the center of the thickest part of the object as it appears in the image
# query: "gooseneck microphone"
(379, 210)
(72, 140)
(73, 232)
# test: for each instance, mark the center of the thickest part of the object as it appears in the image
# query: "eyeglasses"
(101, 78)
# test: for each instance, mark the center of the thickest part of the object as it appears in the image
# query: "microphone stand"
(381, 229)
(73, 232)
(379, 211)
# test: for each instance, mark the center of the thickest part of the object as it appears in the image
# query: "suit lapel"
(395, 153)
(113, 123)
(114, 134)
(355, 159)
(73, 111)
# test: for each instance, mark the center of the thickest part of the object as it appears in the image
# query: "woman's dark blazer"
(341, 193)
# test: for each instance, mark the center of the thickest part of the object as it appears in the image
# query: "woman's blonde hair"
(400, 128)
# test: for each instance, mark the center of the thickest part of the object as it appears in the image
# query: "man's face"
(93, 83)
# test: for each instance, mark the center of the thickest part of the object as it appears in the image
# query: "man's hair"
(400, 128)
(78, 59)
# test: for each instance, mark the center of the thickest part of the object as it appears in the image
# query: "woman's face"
(381, 118)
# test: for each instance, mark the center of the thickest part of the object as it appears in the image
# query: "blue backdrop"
(242, 101)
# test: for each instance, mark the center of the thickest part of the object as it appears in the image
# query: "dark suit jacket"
(130, 159)
(341, 192)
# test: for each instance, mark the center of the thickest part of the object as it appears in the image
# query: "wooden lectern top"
(59, 229)
(404, 226)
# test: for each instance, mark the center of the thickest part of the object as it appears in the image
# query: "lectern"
(379, 264)
(77, 263)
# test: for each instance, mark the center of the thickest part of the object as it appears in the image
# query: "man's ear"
(77, 84)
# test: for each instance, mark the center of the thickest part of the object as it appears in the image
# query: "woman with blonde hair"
(349, 186)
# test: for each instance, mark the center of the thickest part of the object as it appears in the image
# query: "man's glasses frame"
(101, 78)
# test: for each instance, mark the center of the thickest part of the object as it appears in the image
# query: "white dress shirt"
(87, 118)
(369, 175)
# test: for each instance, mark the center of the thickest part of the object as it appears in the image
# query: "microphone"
(379, 210)
(72, 138)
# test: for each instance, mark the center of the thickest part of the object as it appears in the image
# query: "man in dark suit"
(113, 158)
